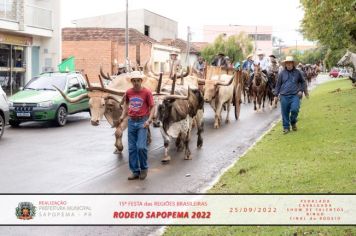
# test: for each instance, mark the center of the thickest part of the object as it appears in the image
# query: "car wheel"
(2, 125)
(14, 123)
(61, 116)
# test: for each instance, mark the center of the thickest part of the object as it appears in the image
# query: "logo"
(25, 211)
(136, 103)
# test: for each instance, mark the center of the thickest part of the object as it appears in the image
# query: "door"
(75, 86)
(35, 58)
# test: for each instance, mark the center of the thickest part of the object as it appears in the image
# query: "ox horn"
(227, 83)
(71, 100)
(107, 77)
(108, 90)
(101, 82)
(148, 72)
(151, 70)
(114, 98)
(176, 97)
(185, 74)
(87, 79)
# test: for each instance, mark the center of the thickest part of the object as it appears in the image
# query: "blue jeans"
(137, 139)
(290, 108)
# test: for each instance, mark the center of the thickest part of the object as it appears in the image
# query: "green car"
(40, 101)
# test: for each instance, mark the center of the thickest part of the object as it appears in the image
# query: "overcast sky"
(283, 15)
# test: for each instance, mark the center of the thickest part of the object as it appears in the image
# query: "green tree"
(311, 56)
(236, 47)
(333, 24)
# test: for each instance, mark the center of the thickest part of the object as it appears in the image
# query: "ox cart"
(236, 75)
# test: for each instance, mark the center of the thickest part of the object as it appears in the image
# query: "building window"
(147, 30)
(261, 37)
(8, 10)
(12, 67)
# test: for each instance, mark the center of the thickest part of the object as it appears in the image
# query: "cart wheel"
(237, 101)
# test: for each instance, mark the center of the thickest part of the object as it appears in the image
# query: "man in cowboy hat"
(247, 64)
(121, 69)
(219, 60)
(263, 62)
(139, 107)
(273, 66)
(289, 87)
(199, 66)
(174, 64)
(272, 69)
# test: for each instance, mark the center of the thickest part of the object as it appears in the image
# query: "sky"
(283, 15)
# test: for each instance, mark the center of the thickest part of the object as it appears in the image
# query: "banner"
(177, 209)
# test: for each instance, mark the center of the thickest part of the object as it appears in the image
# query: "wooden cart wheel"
(237, 101)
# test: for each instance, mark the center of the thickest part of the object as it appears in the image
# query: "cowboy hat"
(289, 59)
(136, 75)
(249, 56)
(260, 52)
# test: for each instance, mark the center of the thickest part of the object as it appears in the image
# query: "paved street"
(78, 158)
(39, 158)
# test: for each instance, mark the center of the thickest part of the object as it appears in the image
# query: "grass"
(319, 158)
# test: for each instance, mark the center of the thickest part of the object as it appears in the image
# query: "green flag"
(67, 66)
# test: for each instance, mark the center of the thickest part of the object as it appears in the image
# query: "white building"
(260, 35)
(148, 23)
(30, 40)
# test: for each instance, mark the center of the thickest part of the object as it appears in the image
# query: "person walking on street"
(290, 87)
(139, 107)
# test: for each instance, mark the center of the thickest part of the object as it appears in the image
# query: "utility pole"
(188, 46)
(255, 40)
(296, 47)
(127, 64)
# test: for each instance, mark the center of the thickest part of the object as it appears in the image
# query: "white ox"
(219, 92)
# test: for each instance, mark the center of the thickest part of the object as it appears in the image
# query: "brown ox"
(219, 91)
(176, 114)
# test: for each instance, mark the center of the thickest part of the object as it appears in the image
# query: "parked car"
(40, 101)
(4, 111)
(344, 73)
(334, 73)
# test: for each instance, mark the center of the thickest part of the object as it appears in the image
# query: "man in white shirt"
(262, 61)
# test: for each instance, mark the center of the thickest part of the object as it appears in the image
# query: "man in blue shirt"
(247, 65)
(290, 86)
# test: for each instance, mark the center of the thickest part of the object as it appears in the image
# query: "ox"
(176, 114)
(219, 91)
(108, 102)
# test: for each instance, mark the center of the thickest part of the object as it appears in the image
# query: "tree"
(311, 56)
(236, 47)
(331, 22)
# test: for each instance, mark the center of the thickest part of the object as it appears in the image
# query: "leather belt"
(138, 117)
